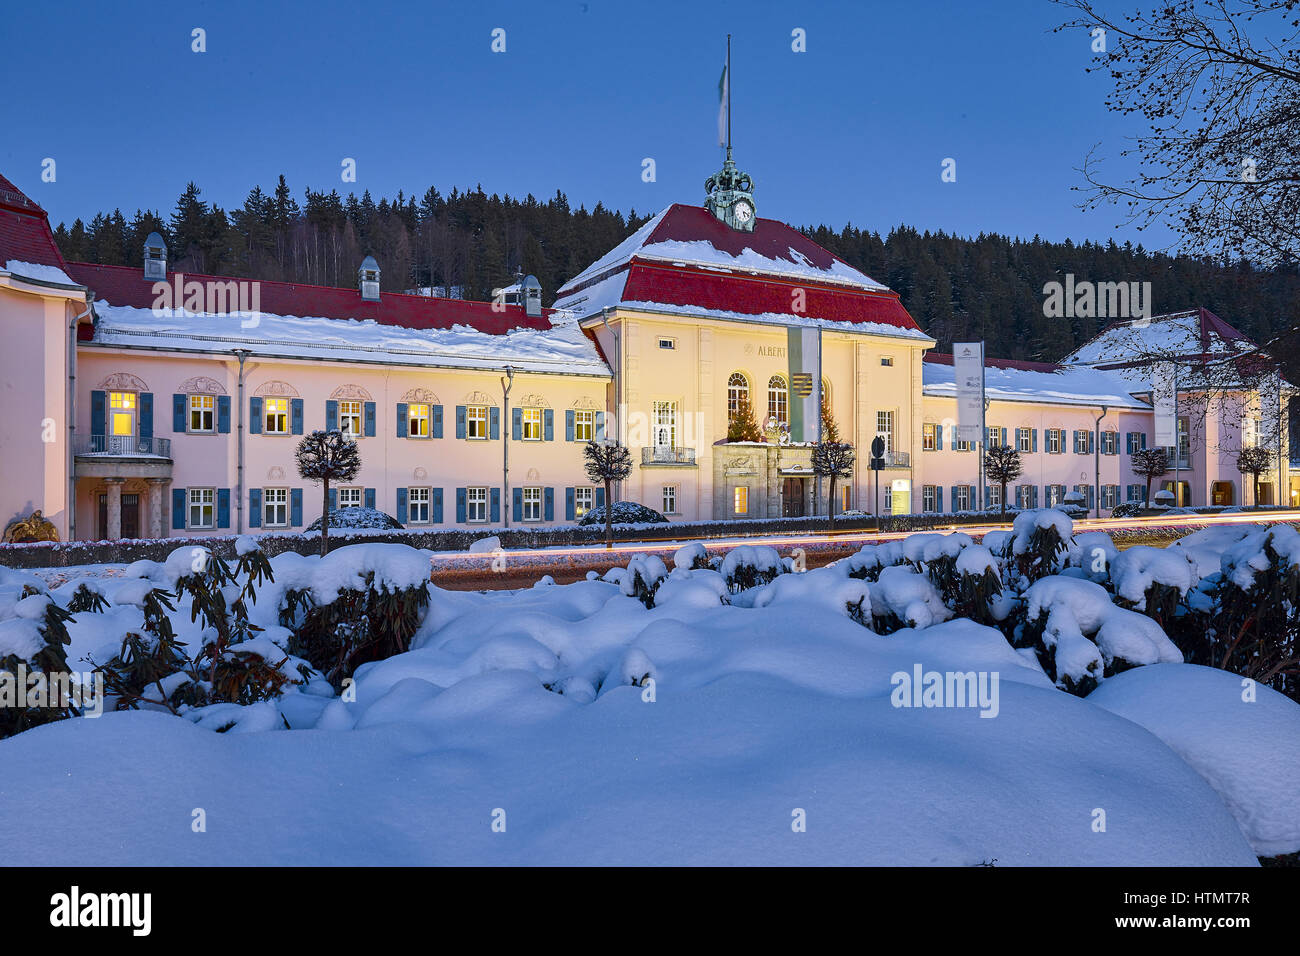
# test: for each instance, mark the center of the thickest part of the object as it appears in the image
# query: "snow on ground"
(1247, 749)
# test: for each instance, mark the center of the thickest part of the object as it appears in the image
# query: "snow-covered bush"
(358, 518)
(977, 585)
(1152, 580)
(33, 642)
(1039, 539)
(748, 566)
(822, 586)
(691, 556)
(904, 597)
(625, 512)
(644, 575)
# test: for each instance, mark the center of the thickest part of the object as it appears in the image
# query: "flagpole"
(728, 96)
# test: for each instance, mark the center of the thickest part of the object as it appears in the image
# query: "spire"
(730, 191)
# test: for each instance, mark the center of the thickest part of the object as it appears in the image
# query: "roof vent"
(532, 296)
(368, 277)
(155, 257)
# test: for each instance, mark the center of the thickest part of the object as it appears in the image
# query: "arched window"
(778, 399)
(737, 391)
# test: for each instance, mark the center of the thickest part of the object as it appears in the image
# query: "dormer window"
(155, 257)
(368, 279)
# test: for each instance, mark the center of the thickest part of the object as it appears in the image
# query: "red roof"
(127, 286)
(945, 358)
(25, 230)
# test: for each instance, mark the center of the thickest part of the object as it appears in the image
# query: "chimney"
(368, 277)
(155, 258)
(532, 296)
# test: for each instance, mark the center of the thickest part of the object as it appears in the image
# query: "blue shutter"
(255, 416)
(223, 414)
(369, 497)
(954, 498)
(569, 510)
(568, 424)
(460, 505)
(180, 405)
(295, 507)
(295, 416)
(146, 415)
(178, 509)
(255, 507)
(494, 510)
(548, 424)
(223, 507)
(1092, 443)
(1033, 439)
(437, 421)
(460, 421)
(334, 499)
(403, 410)
(437, 506)
(517, 504)
(938, 440)
(1142, 438)
(368, 415)
(98, 413)
(600, 426)
(548, 504)
(494, 423)
(516, 424)
(938, 495)
(401, 505)
(1004, 436)
(331, 415)
(600, 497)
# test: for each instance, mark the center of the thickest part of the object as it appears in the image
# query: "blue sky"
(853, 130)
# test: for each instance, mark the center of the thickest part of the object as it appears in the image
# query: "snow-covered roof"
(562, 348)
(1191, 333)
(41, 273)
(1039, 383)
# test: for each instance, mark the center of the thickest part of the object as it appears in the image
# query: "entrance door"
(1222, 493)
(130, 516)
(792, 498)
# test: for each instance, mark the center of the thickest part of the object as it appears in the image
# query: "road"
(521, 568)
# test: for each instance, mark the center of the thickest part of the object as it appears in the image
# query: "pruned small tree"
(1254, 462)
(742, 425)
(1149, 463)
(1001, 466)
(608, 462)
(832, 460)
(325, 457)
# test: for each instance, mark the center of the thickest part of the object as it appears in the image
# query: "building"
(156, 404)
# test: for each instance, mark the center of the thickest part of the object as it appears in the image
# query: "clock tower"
(731, 196)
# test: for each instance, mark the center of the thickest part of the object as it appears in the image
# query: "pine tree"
(742, 426)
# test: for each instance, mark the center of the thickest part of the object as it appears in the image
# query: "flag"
(722, 107)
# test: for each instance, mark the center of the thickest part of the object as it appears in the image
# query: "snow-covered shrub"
(86, 600)
(32, 642)
(625, 512)
(701, 588)
(644, 575)
(691, 556)
(357, 604)
(904, 597)
(748, 566)
(1092, 552)
(938, 559)
(977, 583)
(1039, 539)
(823, 587)
(1153, 580)
(1129, 509)
(358, 519)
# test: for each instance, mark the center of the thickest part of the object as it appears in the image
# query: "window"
(929, 498)
(1081, 442)
(584, 425)
(885, 429)
(994, 497)
(476, 421)
(1024, 439)
(532, 504)
(1109, 494)
(275, 507)
(665, 425)
(532, 419)
(417, 505)
(668, 343)
(778, 399)
(670, 499)
(202, 507)
(276, 413)
(961, 444)
(846, 497)
(350, 419)
(929, 441)
(584, 499)
(1054, 441)
(992, 436)
(203, 413)
(887, 361)
(1055, 495)
(417, 421)
(737, 392)
(1109, 443)
(740, 500)
(961, 498)
(349, 498)
(476, 504)
(121, 406)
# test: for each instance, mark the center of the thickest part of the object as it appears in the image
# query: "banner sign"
(805, 356)
(1270, 412)
(968, 364)
(1164, 399)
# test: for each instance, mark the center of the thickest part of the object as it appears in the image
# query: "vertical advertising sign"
(1164, 399)
(968, 364)
(804, 354)
(1270, 412)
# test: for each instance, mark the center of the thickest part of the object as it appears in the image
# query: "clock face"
(744, 211)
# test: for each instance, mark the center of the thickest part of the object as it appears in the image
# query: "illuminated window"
(584, 425)
(203, 413)
(740, 500)
(532, 419)
(476, 422)
(929, 440)
(276, 412)
(778, 399)
(583, 501)
(350, 419)
(417, 420)
(121, 406)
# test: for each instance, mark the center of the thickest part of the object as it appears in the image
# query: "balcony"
(122, 456)
(895, 459)
(665, 455)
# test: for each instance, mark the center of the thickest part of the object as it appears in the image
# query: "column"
(114, 486)
(156, 527)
